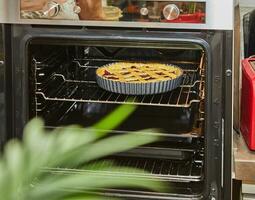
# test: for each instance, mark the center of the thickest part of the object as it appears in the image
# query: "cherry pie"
(139, 78)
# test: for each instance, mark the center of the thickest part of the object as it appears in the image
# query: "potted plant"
(27, 166)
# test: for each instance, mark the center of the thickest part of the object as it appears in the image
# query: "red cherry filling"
(145, 75)
(125, 73)
(150, 78)
(113, 78)
(160, 73)
(106, 73)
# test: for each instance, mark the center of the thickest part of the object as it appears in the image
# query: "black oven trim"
(22, 35)
(228, 112)
(6, 84)
(2, 87)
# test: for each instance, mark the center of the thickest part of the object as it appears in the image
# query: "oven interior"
(63, 91)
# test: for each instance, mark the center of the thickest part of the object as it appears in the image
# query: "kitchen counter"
(244, 169)
(243, 158)
(244, 161)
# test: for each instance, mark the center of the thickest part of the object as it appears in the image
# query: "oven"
(48, 71)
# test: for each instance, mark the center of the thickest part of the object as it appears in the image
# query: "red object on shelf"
(196, 18)
(248, 102)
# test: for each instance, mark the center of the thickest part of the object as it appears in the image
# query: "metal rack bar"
(189, 79)
(195, 133)
(80, 62)
(107, 97)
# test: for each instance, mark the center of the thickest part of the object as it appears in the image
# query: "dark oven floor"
(167, 121)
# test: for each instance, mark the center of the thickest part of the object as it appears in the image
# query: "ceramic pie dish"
(139, 78)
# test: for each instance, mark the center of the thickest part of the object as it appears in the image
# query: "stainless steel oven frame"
(216, 44)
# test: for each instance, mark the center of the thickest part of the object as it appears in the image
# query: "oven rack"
(90, 92)
(175, 191)
(190, 75)
(87, 91)
(86, 63)
(160, 169)
(193, 134)
(178, 191)
(187, 66)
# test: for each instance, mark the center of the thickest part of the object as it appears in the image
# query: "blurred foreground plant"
(25, 167)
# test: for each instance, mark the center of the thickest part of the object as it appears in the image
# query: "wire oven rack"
(87, 91)
(162, 169)
(91, 93)
(191, 91)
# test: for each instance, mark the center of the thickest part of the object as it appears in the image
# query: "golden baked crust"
(129, 72)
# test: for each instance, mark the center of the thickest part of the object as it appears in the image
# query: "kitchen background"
(247, 2)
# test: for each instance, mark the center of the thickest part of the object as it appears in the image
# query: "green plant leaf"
(88, 181)
(34, 134)
(106, 147)
(5, 182)
(37, 143)
(21, 167)
(15, 159)
(88, 197)
(98, 165)
(114, 119)
(77, 136)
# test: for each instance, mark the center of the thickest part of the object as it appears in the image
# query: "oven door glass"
(116, 10)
